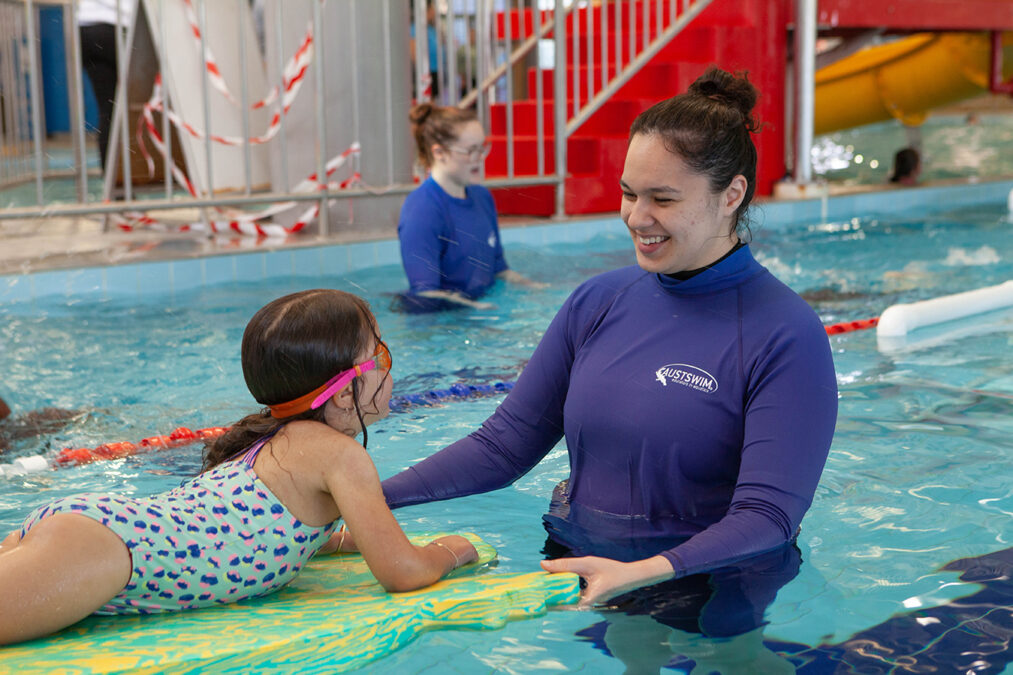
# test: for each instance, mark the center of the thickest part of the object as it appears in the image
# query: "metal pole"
(422, 65)
(244, 96)
(539, 93)
(575, 41)
(508, 104)
(321, 121)
(124, 52)
(559, 105)
(589, 46)
(388, 83)
(163, 48)
(453, 77)
(805, 87)
(36, 96)
(482, 68)
(206, 87)
(75, 94)
(279, 23)
(354, 32)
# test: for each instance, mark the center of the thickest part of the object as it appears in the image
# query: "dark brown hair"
(290, 347)
(709, 127)
(905, 163)
(436, 125)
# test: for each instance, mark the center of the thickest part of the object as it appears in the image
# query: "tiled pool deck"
(86, 261)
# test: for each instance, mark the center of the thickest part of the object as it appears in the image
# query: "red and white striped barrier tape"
(235, 221)
(244, 222)
(292, 74)
(214, 74)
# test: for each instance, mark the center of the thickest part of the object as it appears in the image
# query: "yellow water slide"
(905, 79)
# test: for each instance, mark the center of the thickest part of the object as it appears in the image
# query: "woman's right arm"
(524, 428)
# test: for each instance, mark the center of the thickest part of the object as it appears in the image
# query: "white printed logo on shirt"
(688, 376)
(492, 240)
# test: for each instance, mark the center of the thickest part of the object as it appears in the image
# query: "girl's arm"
(396, 563)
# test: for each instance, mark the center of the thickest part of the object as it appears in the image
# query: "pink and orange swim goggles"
(316, 398)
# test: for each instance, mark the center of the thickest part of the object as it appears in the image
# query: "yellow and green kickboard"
(333, 617)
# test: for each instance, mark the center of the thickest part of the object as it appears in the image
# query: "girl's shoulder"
(313, 443)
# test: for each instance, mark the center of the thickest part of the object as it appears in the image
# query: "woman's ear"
(733, 195)
(437, 152)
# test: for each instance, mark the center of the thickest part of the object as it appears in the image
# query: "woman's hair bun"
(419, 113)
(732, 90)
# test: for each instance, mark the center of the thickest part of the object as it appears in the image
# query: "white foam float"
(32, 463)
(24, 465)
(899, 320)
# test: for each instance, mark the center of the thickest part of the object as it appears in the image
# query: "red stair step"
(612, 119)
(581, 152)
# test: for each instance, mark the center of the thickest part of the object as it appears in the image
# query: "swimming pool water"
(917, 476)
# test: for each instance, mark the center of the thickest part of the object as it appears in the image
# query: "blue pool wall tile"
(187, 274)
(139, 279)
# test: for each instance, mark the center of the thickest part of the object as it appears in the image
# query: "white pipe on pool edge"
(899, 320)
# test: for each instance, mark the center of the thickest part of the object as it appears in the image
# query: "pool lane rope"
(185, 436)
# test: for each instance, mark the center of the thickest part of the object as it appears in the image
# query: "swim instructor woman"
(696, 392)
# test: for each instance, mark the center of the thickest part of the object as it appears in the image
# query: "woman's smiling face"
(677, 223)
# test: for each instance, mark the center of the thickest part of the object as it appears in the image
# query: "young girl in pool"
(269, 497)
(449, 234)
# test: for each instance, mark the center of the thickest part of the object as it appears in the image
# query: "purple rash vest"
(698, 412)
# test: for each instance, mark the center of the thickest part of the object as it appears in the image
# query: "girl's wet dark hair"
(709, 127)
(292, 346)
(436, 125)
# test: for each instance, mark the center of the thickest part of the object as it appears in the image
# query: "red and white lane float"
(73, 456)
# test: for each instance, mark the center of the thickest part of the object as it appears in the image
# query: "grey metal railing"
(493, 54)
(597, 47)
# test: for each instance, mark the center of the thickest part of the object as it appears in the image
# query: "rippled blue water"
(918, 475)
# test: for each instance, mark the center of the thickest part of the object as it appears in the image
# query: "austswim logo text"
(687, 375)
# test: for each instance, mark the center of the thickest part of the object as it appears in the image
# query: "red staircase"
(733, 34)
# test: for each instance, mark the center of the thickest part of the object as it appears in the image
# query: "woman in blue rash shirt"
(448, 230)
(696, 392)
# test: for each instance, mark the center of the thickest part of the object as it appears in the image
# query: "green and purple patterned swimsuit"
(218, 538)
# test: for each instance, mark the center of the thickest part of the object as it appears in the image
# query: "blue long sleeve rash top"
(448, 243)
(697, 411)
